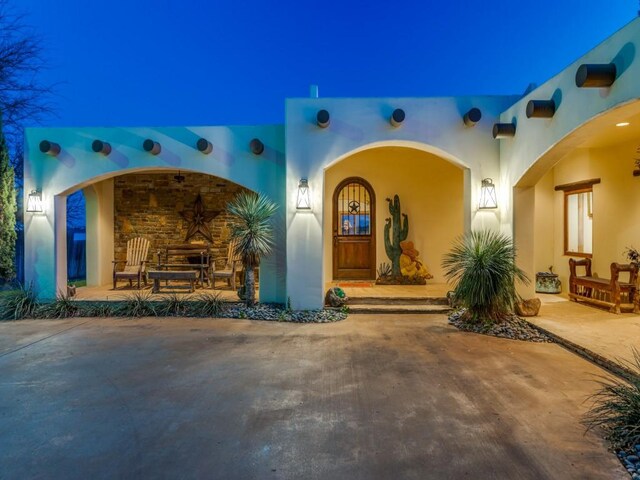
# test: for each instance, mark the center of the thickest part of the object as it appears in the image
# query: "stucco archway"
(433, 188)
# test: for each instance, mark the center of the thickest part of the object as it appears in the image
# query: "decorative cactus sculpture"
(400, 232)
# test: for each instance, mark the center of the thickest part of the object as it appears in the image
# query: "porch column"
(524, 235)
(305, 278)
(39, 246)
(60, 225)
(100, 231)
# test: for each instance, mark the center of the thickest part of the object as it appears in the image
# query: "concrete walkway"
(370, 397)
(606, 334)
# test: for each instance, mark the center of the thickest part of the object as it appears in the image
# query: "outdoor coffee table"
(157, 275)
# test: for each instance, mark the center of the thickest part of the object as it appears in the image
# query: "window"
(354, 210)
(578, 217)
(578, 222)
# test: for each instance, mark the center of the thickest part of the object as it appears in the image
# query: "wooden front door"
(354, 230)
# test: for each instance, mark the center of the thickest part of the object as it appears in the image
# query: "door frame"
(372, 220)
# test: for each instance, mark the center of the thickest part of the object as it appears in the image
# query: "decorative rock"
(528, 308)
(335, 297)
(632, 459)
(511, 327)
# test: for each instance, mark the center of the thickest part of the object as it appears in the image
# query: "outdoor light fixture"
(34, 202)
(203, 145)
(50, 148)
(472, 117)
(256, 146)
(322, 118)
(304, 196)
(152, 147)
(397, 117)
(488, 197)
(179, 178)
(596, 75)
(99, 146)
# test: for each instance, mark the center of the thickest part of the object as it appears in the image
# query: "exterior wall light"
(488, 199)
(34, 202)
(304, 195)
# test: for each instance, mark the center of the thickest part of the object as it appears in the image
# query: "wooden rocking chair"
(137, 250)
(232, 266)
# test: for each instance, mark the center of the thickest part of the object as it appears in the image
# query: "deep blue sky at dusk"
(188, 62)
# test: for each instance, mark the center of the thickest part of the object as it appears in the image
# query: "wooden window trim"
(573, 189)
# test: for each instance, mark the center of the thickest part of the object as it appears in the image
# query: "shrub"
(482, 266)
(97, 309)
(63, 307)
(138, 304)
(172, 306)
(20, 303)
(208, 305)
(616, 408)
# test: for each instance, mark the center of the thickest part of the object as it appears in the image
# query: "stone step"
(398, 301)
(399, 309)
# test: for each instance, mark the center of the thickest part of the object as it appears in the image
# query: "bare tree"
(23, 98)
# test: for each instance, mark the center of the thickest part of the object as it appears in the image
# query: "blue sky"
(189, 62)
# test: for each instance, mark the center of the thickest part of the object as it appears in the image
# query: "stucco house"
(561, 159)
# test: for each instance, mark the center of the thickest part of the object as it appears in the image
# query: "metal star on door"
(199, 219)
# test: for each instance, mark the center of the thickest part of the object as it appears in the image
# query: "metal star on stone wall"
(199, 219)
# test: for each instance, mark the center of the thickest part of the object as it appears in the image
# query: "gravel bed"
(279, 313)
(512, 327)
(631, 461)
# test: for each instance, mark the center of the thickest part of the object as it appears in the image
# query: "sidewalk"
(606, 334)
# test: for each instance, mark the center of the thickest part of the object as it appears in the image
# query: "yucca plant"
(208, 305)
(616, 408)
(19, 303)
(482, 267)
(253, 233)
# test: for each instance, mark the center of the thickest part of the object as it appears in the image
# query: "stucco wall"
(432, 125)
(431, 194)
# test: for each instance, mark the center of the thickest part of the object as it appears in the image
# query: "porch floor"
(355, 289)
(606, 334)
(107, 293)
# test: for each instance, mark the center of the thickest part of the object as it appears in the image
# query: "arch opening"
(432, 191)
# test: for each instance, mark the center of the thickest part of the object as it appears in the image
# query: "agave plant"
(482, 267)
(616, 408)
(253, 233)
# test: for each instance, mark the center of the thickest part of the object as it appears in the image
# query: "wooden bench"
(157, 275)
(611, 293)
(188, 256)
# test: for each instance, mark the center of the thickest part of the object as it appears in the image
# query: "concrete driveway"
(370, 397)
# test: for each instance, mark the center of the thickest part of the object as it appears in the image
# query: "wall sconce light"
(34, 202)
(488, 197)
(304, 195)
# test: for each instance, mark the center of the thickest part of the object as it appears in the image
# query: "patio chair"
(134, 268)
(232, 266)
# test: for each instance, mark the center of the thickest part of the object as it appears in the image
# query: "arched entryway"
(433, 193)
(354, 230)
